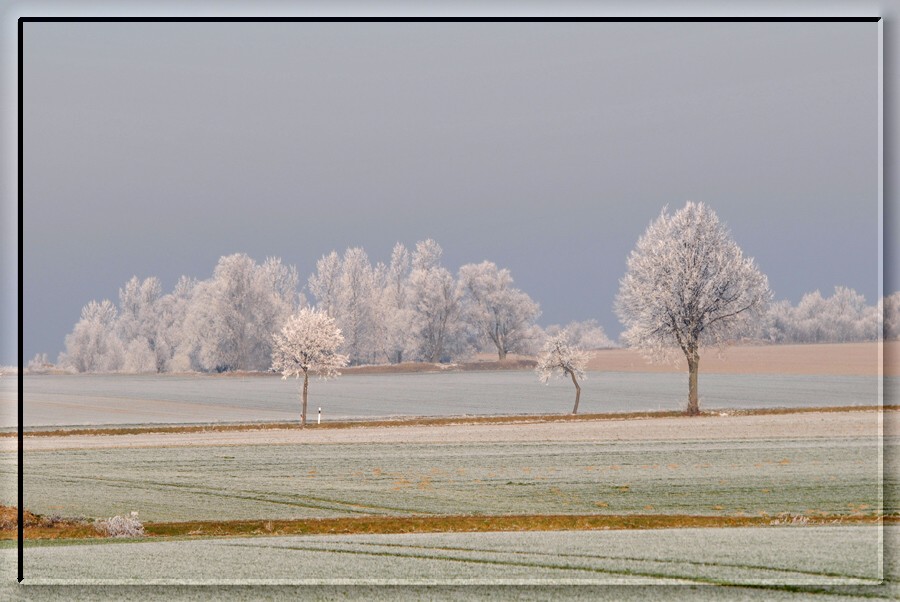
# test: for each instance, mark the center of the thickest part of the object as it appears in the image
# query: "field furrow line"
(828, 574)
(546, 566)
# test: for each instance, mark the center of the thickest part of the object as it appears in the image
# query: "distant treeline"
(408, 309)
(842, 317)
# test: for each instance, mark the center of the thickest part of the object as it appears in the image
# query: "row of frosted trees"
(414, 308)
(223, 323)
(841, 318)
(409, 309)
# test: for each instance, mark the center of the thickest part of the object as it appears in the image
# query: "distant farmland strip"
(442, 421)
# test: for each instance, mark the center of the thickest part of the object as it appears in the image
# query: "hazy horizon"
(152, 149)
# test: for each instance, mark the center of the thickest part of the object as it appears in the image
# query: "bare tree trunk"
(501, 352)
(693, 408)
(577, 392)
(305, 390)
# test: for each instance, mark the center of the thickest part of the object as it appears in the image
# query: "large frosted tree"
(308, 342)
(232, 315)
(688, 285)
(500, 313)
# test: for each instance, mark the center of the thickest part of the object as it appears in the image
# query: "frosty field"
(813, 557)
(61, 400)
(768, 466)
(800, 463)
(765, 466)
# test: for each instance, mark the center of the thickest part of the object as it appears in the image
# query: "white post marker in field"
(319, 421)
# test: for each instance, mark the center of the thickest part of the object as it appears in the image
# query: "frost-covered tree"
(499, 313)
(843, 317)
(232, 315)
(688, 284)
(356, 300)
(93, 345)
(890, 310)
(282, 280)
(778, 322)
(174, 342)
(435, 301)
(394, 311)
(325, 284)
(308, 342)
(560, 357)
(427, 255)
(344, 287)
(807, 326)
(848, 318)
(39, 364)
(138, 325)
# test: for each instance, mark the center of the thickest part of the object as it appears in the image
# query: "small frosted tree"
(308, 343)
(560, 357)
(687, 284)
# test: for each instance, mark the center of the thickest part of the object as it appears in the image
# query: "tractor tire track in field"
(628, 572)
(210, 491)
(827, 574)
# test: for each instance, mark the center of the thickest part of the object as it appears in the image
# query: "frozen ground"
(61, 400)
(838, 559)
(720, 427)
(800, 463)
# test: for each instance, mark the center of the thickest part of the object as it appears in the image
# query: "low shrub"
(121, 526)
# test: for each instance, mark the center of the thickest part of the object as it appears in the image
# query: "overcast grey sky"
(152, 149)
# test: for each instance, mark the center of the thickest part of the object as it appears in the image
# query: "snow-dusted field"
(800, 463)
(118, 399)
(797, 556)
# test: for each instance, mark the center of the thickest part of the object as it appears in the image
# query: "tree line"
(687, 286)
(410, 308)
(843, 317)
